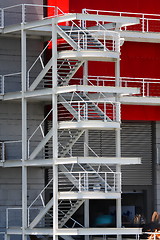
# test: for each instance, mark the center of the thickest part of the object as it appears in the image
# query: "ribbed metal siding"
(136, 139)
(137, 142)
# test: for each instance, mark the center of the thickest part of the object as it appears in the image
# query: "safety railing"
(39, 132)
(14, 216)
(39, 63)
(149, 87)
(10, 150)
(23, 13)
(95, 40)
(10, 82)
(90, 181)
(148, 22)
(86, 110)
(39, 201)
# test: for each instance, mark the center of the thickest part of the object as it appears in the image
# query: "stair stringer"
(41, 76)
(70, 213)
(41, 144)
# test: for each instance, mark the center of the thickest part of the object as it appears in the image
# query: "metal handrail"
(86, 184)
(16, 208)
(82, 109)
(145, 17)
(40, 195)
(3, 80)
(38, 128)
(57, 9)
(75, 222)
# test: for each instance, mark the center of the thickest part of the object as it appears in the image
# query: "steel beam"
(77, 231)
(99, 160)
(88, 195)
(89, 55)
(97, 124)
(97, 89)
(124, 21)
(99, 231)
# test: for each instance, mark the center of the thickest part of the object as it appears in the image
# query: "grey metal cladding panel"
(137, 142)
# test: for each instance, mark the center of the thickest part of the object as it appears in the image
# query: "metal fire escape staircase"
(77, 182)
(66, 70)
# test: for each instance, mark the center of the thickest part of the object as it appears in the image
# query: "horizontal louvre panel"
(137, 142)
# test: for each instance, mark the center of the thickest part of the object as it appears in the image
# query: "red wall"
(141, 6)
(137, 59)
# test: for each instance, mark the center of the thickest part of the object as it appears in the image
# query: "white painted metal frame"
(86, 189)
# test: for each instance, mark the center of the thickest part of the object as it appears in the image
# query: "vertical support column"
(55, 129)
(7, 237)
(118, 146)
(86, 138)
(24, 133)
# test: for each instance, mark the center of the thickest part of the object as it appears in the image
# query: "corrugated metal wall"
(136, 139)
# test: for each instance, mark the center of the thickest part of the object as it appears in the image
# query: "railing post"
(85, 41)
(143, 90)
(86, 106)
(120, 16)
(2, 17)
(147, 89)
(105, 182)
(104, 42)
(3, 151)
(83, 21)
(87, 182)
(105, 112)
(147, 22)
(114, 183)
(78, 42)
(28, 148)
(2, 84)
(56, 11)
(7, 225)
(143, 28)
(79, 112)
(23, 13)
(79, 182)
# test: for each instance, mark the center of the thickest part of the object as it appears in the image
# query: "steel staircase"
(80, 39)
(66, 68)
(67, 209)
(70, 143)
(76, 107)
(66, 183)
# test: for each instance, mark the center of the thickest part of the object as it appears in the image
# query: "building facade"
(79, 120)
